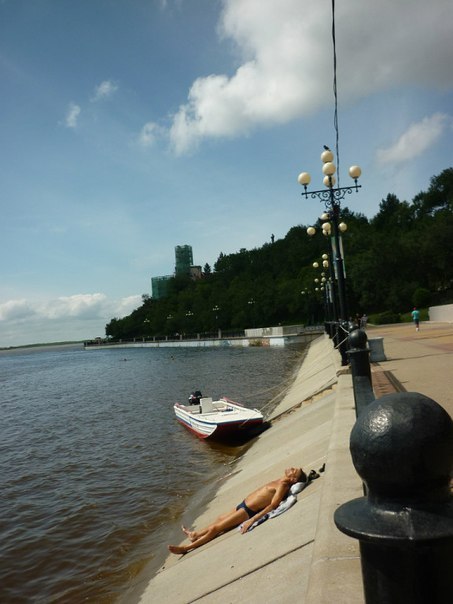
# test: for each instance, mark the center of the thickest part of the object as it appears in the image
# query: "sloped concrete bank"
(299, 554)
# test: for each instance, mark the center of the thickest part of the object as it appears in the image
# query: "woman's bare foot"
(177, 549)
(191, 535)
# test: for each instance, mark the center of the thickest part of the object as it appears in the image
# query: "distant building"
(159, 286)
(183, 266)
(183, 259)
(196, 272)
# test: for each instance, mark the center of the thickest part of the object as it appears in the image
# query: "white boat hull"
(226, 419)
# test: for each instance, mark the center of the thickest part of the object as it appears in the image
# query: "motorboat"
(221, 419)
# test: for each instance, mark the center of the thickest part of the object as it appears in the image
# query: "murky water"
(94, 466)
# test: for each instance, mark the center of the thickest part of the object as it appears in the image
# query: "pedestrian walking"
(416, 318)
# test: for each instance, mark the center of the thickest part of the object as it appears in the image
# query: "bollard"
(377, 353)
(342, 338)
(334, 330)
(359, 360)
(402, 447)
(359, 354)
(330, 329)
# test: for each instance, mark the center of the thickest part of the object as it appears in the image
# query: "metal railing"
(402, 448)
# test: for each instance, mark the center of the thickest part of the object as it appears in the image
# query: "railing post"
(330, 328)
(335, 334)
(342, 336)
(359, 360)
(359, 354)
(402, 447)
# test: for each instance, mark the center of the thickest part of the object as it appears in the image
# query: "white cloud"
(285, 50)
(104, 90)
(416, 140)
(79, 305)
(14, 310)
(72, 115)
(148, 134)
(125, 306)
(76, 317)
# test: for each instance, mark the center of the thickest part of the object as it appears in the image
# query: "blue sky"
(132, 126)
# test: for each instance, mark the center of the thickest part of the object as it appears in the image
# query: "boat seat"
(206, 404)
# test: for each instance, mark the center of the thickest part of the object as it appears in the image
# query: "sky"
(128, 127)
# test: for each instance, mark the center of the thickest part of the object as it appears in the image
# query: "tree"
(400, 257)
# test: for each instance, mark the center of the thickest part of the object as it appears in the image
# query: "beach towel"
(287, 503)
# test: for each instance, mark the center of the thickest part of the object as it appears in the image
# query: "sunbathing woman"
(254, 507)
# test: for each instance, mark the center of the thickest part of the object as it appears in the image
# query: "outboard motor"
(195, 398)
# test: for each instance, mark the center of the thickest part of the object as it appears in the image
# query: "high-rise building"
(159, 286)
(183, 259)
(183, 266)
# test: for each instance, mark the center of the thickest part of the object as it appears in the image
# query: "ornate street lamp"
(251, 304)
(332, 196)
(216, 309)
(325, 285)
(331, 292)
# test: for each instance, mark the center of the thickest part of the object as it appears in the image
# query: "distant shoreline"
(48, 345)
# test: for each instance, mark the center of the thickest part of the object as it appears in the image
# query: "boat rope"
(283, 387)
(274, 399)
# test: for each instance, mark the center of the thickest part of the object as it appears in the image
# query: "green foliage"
(401, 258)
(384, 318)
(421, 297)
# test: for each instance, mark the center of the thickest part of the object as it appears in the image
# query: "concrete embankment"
(303, 337)
(299, 555)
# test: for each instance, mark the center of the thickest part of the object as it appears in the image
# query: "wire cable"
(335, 94)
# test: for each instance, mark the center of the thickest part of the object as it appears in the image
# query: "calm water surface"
(94, 467)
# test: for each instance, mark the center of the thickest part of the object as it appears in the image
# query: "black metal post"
(329, 328)
(333, 289)
(339, 266)
(342, 340)
(402, 447)
(325, 300)
(359, 360)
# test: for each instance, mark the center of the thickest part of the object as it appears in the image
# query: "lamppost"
(332, 197)
(331, 293)
(251, 303)
(324, 286)
(169, 325)
(216, 310)
(308, 305)
(313, 299)
(189, 315)
(146, 323)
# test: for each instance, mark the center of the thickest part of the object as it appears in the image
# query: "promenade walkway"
(420, 361)
(300, 555)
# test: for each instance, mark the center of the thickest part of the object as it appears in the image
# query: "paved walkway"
(419, 361)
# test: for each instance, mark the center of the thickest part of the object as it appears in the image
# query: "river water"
(94, 468)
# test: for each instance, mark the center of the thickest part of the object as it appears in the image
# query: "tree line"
(400, 258)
